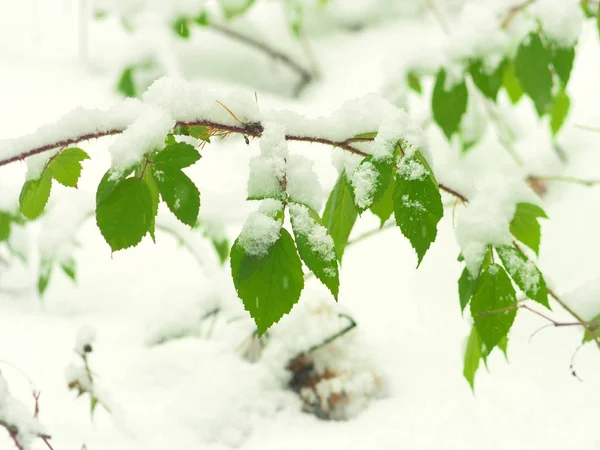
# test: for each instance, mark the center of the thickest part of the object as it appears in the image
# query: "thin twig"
(335, 336)
(588, 128)
(512, 13)
(564, 179)
(431, 4)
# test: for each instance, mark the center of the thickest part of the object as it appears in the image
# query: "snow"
(364, 180)
(267, 171)
(411, 169)
(526, 270)
(561, 20)
(302, 183)
(319, 239)
(85, 337)
(260, 232)
(485, 220)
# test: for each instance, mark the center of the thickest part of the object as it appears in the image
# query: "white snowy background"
(198, 391)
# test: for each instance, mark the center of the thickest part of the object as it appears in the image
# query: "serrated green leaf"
(488, 83)
(179, 193)
(269, 285)
(562, 61)
(525, 274)
(340, 214)
(532, 66)
(176, 156)
(493, 306)
(369, 135)
(414, 82)
(109, 182)
(560, 109)
(384, 207)
(199, 132)
(222, 247)
(5, 220)
(448, 106)
(35, 194)
(525, 226)
(69, 267)
(593, 330)
(155, 196)
(125, 215)
(466, 288)
(417, 204)
(181, 28)
(511, 83)
(44, 276)
(472, 357)
(315, 246)
(66, 166)
(126, 83)
(383, 171)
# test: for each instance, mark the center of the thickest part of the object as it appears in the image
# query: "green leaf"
(5, 219)
(222, 247)
(237, 8)
(126, 83)
(35, 194)
(179, 193)
(269, 285)
(525, 226)
(384, 207)
(414, 82)
(109, 182)
(369, 135)
(66, 166)
(598, 22)
(155, 196)
(125, 215)
(340, 214)
(488, 83)
(532, 66)
(503, 345)
(448, 106)
(593, 330)
(383, 171)
(472, 357)
(202, 19)
(181, 28)
(315, 246)
(562, 61)
(493, 305)
(176, 156)
(93, 405)
(559, 112)
(44, 276)
(417, 204)
(199, 132)
(466, 288)
(69, 267)
(525, 274)
(511, 83)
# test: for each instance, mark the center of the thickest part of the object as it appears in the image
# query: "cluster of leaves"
(270, 284)
(540, 70)
(491, 293)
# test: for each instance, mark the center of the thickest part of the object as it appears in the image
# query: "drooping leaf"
(109, 182)
(69, 267)
(417, 204)
(202, 19)
(125, 215)
(414, 82)
(269, 285)
(466, 288)
(559, 112)
(511, 83)
(384, 207)
(532, 66)
(525, 226)
(472, 357)
(525, 274)
(488, 83)
(176, 156)
(493, 306)
(5, 220)
(370, 181)
(179, 193)
(155, 196)
(126, 83)
(448, 103)
(315, 246)
(562, 61)
(66, 166)
(340, 214)
(222, 247)
(35, 194)
(46, 267)
(237, 8)
(592, 332)
(181, 28)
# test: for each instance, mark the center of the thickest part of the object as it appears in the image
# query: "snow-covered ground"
(198, 391)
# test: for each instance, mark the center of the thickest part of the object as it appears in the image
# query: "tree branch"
(512, 12)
